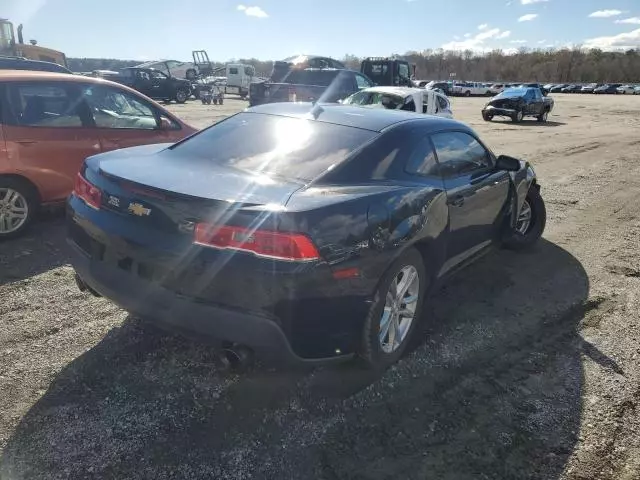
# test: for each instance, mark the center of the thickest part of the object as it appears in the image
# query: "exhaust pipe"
(234, 356)
(83, 287)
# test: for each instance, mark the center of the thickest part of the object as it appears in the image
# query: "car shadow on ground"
(493, 390)
(527, 123)
(40, 249)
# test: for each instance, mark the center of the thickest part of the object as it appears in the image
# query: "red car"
(50, 122)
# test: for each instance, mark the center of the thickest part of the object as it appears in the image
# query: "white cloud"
(510, 51)
(605, 13)
(253, 11)
(483, 26)
(622, 41)
(467, 35)
(518, 42)
(528, 17)
(632, 20)
(529, 2)
(477, 42)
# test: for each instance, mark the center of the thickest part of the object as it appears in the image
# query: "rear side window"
(115, 108)
(422, 160)
(286, 147)
(443, 103)
(233, 71)
(44, 105)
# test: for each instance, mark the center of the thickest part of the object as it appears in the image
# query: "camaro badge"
(139, 210)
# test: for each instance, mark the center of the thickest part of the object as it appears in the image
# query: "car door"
(161, 85)
(124, 119)
(476, 193)
(48, 134)
(142, 83)
(538, 101)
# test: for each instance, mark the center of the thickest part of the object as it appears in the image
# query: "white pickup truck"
(468, 89)
(417, 100)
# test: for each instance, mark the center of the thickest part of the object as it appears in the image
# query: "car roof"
(13, 75)
(402, 91)
(8, 62)
(375, 119)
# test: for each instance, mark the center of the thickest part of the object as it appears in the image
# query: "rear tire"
(18, 198)
(182, 95)
(527, 236)
(543, 116)
(380, 353)
(467, 93)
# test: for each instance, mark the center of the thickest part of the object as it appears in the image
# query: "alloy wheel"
(14, 210)
(399, 309)
(524, 219)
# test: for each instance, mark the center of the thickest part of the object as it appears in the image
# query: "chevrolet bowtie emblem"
(139, 210)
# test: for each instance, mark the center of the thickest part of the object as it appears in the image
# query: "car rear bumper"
(174, 312)
(297, 317)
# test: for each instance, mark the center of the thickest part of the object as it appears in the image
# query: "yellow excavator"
(12, 48)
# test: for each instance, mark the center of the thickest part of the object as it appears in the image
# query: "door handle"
(26, 142)
(457, 201)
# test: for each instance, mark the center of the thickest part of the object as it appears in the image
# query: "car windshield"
(512, 92)
(291, 148)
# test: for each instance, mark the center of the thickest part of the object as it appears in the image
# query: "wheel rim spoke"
(524, 219)
(385, 324)
(410, 299)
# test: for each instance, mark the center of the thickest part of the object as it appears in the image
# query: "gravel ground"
(527, 366)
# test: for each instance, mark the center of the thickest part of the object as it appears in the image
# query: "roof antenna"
(316, 110)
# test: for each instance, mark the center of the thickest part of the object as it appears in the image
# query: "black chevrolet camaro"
(310, 231)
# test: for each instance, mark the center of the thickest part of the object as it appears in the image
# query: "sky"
(275, 29)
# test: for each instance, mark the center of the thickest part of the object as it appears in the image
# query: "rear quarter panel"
(367, 227)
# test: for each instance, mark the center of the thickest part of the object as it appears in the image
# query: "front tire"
(487, 117)
(18, 205)
(467, 93)
(530, 224)
(395, 312)
(517, 118)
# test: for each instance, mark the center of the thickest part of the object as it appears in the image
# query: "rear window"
(286, 147)
(311, 77)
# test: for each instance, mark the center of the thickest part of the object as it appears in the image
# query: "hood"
(169, 171)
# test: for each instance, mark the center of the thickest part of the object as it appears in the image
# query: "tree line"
(560, 66)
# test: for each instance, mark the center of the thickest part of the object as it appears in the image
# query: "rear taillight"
(265, 243)
(90, 194)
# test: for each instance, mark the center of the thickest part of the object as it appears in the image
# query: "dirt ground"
(528, 367)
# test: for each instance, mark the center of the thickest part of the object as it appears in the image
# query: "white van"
(239, 77)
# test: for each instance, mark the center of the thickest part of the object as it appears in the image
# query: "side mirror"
(510, 164)
(166, 124)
